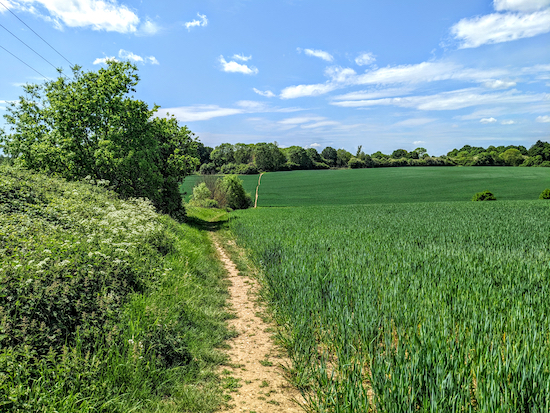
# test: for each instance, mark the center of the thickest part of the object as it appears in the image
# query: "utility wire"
(24, 62)
(6, 7)
(43, 58)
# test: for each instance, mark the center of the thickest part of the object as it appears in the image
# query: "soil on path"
(255, 377)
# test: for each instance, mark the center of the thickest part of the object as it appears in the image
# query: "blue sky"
(384, 74)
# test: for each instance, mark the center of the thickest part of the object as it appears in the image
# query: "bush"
(208, 169)
(545, 194)
(246, 169)
(356, 163)
(236, 196)
(202, 197)
(484, 196)
(228, 168)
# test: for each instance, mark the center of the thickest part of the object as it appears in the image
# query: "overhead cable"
(30, 28)
(26, 64)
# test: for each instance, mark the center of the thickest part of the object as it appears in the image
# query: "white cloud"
(418, 142)
(197, 23)
(487, 120)
(500, 27)
(340, 74)
(414, 122)
(148, 28)
(543, 119)
(524, 6)
(104, 60)
(498, 84)
(241, 57)
(267, 93)
(314, 145)
(453, 100)
(234, 67)
(365, 59)
(320, 54)
(507, 122)
(153, 60)
(292, 92)
(97, 14)
(126, 55)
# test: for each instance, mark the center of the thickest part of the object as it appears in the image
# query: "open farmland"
(432, 307)
(398, 185)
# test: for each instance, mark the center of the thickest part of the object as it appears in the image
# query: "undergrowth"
(105, 305)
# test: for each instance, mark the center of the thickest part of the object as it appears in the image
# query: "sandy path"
(257, 379)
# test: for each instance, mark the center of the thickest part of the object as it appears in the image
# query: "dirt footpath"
(254, 378)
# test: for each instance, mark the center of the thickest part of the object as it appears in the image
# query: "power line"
(6, 7)
(43, 58)
(24, 62)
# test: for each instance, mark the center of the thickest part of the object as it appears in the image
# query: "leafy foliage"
(484, 196)
(98, 303)
(220, 192)
(90, 126)
(545, 194)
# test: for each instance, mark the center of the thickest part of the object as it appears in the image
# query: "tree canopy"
(90, 126)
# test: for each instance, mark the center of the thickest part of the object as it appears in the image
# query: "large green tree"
(90, 125)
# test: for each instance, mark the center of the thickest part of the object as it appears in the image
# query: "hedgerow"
(84, 321)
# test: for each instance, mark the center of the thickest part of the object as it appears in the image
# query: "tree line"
(242, 158)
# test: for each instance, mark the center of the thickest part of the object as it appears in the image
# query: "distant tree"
(355, 163)
(243, 153)
(540, 148)
(314, 155)
(400, 153)
(89, 125)
(342, 157)
(512, 157)
(203, 152)
(298, 156)
(421, 152)
(330, 155)
(223, 154)
(268, 157)
(379, 155)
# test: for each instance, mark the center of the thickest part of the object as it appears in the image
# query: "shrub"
(246, 169)
(228, 168)
(545, 194)
(202, 197)
(355, 163)
(484, 196)
(236, 196)
(208, 169)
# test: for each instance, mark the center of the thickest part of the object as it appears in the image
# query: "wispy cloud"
(414, 122)
(96, 14)
(292, 92)
(543, 119)
(267, 93)
(318, 53)
(500, 27)
(196, 113)
(104, 60)
(457, 99)
(499, 84)
(374, 93)
(487, 120)
(365, 59)
(241, 57)
(507, 122)
(234, 67)
(197, 23)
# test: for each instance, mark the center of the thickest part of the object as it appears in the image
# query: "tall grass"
(411, 308)
(104, 305)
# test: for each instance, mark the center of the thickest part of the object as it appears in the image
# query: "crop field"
(398, 185)
(426, 307)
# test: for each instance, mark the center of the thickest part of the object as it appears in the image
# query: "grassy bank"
(104, 304)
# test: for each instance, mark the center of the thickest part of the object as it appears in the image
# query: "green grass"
(104, 304)
(432, 307)
(392, 185)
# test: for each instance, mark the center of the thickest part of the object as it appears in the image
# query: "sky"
(384, 74)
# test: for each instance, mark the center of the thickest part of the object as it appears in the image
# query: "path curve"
(255, 361)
